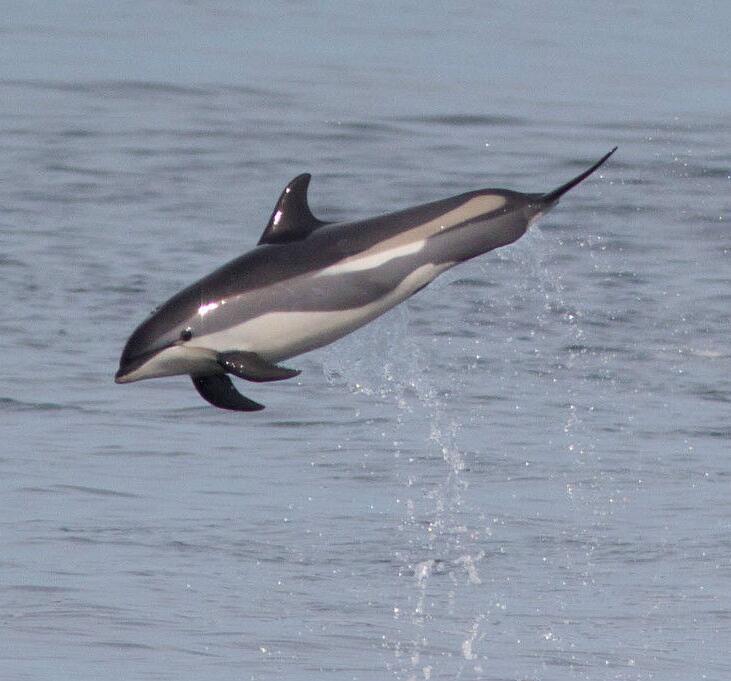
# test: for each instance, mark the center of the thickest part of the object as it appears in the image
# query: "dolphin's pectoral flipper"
(254, 367)
(219, 390)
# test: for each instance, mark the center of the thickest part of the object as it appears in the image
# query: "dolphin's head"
(164, 344)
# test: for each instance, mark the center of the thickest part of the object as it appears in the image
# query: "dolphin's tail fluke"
(556, 194)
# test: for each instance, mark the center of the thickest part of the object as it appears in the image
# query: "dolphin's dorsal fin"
(292, 218)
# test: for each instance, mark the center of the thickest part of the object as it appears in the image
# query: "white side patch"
(279, 335)
(366, 262)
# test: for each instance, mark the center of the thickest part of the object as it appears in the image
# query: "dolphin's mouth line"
(193, 360)
(132, 365)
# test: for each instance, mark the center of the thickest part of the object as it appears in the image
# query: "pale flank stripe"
(403, 243)
(367, 262)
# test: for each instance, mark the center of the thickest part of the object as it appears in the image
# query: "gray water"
(521, 474)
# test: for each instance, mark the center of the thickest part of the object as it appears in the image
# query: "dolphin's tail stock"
(556, 194)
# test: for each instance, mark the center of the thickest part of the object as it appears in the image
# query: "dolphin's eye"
(186, 335)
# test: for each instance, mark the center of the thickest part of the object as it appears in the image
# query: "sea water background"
(523, 473)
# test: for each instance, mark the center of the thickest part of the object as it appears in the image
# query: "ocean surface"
(521, 474)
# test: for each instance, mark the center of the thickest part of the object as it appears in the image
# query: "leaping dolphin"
(309, 282)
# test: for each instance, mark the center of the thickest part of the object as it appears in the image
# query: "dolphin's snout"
(129, 363)
(121, 375)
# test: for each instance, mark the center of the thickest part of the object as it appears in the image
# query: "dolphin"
(308, 283)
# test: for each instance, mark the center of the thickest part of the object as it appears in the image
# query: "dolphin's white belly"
(280, 335)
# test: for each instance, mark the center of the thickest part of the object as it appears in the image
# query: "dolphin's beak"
(121, 376)
(128, 366)
(169, 360)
